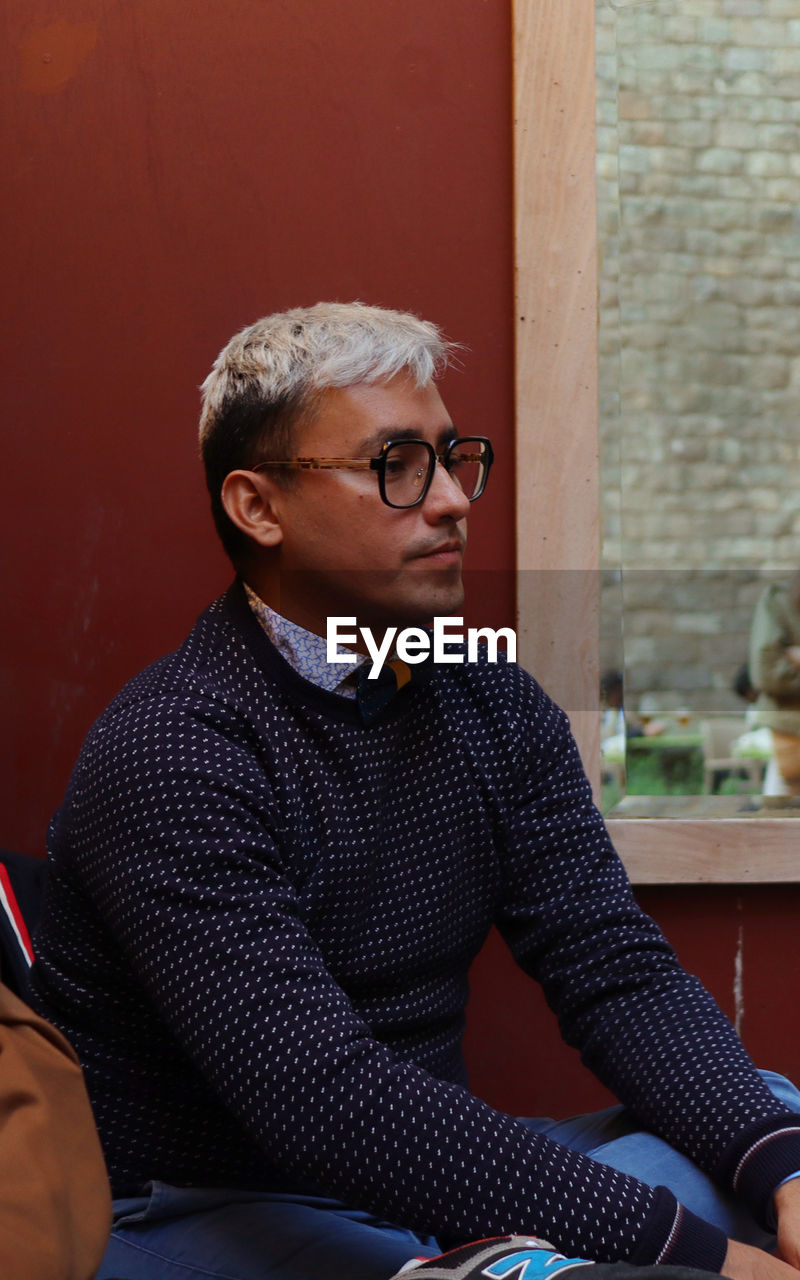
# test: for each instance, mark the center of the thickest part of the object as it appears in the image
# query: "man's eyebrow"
(373, 443)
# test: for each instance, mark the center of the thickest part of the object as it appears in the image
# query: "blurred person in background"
(775, 673)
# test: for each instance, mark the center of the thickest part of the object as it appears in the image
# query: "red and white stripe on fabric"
(8, 901)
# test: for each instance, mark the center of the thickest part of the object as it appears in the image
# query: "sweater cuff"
(763, 1157)
(676, 1237)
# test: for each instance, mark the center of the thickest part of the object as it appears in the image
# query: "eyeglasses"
(406, 467)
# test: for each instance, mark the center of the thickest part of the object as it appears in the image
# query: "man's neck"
(269, 588)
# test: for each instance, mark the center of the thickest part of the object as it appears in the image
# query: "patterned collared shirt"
(306, 652)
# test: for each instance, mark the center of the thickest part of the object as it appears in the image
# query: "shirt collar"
(305, 652)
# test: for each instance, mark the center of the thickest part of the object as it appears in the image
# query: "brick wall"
(699, 214)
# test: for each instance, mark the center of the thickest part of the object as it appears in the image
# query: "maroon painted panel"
(173, 172)
(741, 942)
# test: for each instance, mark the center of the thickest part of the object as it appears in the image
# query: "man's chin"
(401, 600)
(440, 604)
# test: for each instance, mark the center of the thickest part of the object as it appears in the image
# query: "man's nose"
(445, 496)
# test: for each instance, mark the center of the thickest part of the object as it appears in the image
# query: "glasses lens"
(467, 466)
(407, 464)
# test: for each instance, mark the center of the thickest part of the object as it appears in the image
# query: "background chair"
(719, 736)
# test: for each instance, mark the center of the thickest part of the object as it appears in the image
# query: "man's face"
(343, 552)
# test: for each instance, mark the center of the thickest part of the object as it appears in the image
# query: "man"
(271, 874)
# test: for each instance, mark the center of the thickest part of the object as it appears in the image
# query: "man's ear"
(249, 501)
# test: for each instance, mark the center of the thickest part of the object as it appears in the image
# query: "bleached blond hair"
(332, 344)
(273, 373)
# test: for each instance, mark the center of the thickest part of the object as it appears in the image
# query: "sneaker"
(499, 1258)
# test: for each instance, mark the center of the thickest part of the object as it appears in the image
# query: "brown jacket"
(55, 1206)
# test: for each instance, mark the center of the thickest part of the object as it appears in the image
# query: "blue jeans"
(222, 1234)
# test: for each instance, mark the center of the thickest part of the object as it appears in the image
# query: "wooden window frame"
(557, 498)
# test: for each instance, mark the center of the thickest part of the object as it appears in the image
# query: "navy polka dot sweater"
(257, 937)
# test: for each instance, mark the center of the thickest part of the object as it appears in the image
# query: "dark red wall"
(517, 1060)
(173, 171)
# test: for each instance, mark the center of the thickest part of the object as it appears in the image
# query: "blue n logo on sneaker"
(530, 1264)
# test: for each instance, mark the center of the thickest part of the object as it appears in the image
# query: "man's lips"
(449, 552)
